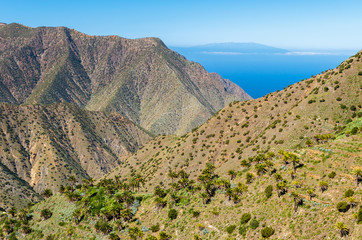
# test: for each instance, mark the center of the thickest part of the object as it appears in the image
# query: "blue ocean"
(260, 74)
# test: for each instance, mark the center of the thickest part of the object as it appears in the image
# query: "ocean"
(260, 74)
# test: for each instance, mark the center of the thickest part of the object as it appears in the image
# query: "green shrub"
(155, 228)
(342, 206)
(113, 236)
(245, 218)
(242, 230)
(195, 213)
(103, 226)
(46, 213)
(332, 174)
(230, 229)
(354, 130)
(172, 214)
(360, 73)
(267, 232)
(348, 193)
(254, 224)
(268, 191)
(359, 215)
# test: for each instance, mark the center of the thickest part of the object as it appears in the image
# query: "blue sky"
(307, 24)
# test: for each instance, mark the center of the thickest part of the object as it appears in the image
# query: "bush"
(113, 236)
(332, 174)
(46, 213)
(245, 218)
(254, 224)
(195, 213)
(342, 206)
(155, 228)
(348, 193)
(267, 232)
(103, 226)
(242, 230)
(360, 73)
(359, 215)
(230, 229)
(354, 130)
(172, 214)
(268, 191)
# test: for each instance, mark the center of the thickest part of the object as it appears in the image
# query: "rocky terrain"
(141, 79)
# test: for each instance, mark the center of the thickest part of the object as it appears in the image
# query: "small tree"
(232, 174)
(47, 193)
(245, 218)
(343, 206)
(358, 174)
(342, 228)
(254, 224)
(323, 185)
(297, 200)
(311, 193)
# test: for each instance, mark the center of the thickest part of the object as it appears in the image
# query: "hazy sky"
(303, 24)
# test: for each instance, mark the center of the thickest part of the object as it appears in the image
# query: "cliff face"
(142, 79)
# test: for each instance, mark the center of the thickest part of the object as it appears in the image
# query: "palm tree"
(297, 200)
(358, 173)
(172, 175)
(260, 168)
(292, 174)
(232, 174)
(282, 188)
(72, 179)
(323, 185)
(205, 197)
(352, 202)
(342, 228)
(311, 193)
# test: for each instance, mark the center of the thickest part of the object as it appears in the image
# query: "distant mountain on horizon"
(231, 48)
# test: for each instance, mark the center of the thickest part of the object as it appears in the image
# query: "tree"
(164, 236)
(343, 206)
(232, 174)
(282, 188)
(311, 193)
(342, 228)
(260, 169)
(245, 218)
(13, 211)
(205, 197)
(297, 200)
(47, 193)
(268, 191)
(172, 175)
(135, 233)
(358, 174)
(352, 202)
(72, 180)
(323, 185)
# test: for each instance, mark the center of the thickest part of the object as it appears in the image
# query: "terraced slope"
(142, 79)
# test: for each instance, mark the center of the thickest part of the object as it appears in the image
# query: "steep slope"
(238, 207)
(44, 145)
(15, 192)
(142, 79)
(285, 119)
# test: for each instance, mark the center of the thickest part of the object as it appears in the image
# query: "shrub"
(353, 108)
(245, 218)
(359, 215)
(172, 214)
(242, 230)
(254, 224)
(342, 206)
(195, 213)
(348, 193)
(113, 236)
(46, 213)
(360, 73)
(268, 191)
(267, 232)
(155, 228)
(354, 130)
(332, 174)
(339, 99)
(230, 229)
(103, 226)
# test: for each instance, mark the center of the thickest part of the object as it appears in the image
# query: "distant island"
(231, 48)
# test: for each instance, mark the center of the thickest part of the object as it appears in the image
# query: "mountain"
(231, 48)
(42, 146)
(285, 166)
(141, 79)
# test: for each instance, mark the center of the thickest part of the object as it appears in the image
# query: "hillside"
(141, 79)
(281, 120)
(317, 198)
(45, 145)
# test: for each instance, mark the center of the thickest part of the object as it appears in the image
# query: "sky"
(307, 24)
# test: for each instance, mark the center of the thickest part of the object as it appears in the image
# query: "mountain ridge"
(47, 65)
